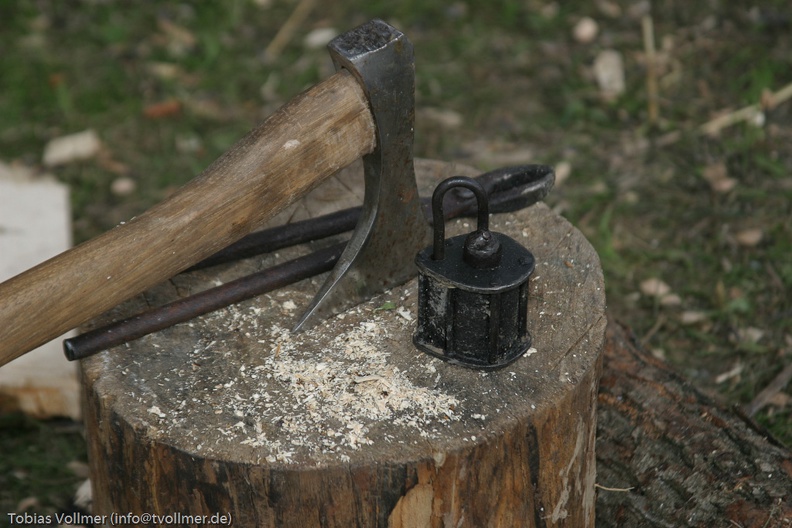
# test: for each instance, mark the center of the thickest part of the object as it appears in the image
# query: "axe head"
(392, 228)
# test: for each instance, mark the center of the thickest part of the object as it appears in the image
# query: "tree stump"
(348, 424)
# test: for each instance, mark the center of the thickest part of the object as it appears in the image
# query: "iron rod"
(201, 303)
(287, 235)
(510, 189)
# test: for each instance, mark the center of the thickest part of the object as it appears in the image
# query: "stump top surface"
(236, 385)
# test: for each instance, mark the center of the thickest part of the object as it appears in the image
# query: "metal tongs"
(509, 189)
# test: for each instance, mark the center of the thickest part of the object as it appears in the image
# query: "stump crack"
(576, 344)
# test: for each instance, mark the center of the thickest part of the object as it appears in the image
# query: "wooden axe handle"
(320, 131)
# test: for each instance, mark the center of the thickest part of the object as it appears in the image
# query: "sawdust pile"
(291, 405)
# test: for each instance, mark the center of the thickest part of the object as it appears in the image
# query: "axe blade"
(392, 228)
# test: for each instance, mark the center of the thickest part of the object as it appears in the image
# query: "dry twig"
(764, 397)
(288, 28)
(713, 127)
(769, 101)
(647, 27)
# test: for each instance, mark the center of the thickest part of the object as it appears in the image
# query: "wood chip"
(562, 171)
(341, 391)
(691, 317)
(123, 186)
(655, 287)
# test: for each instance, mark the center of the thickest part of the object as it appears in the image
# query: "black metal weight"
(472, 290)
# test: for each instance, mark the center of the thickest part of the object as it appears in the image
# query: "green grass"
(34, 463)
(515, 75)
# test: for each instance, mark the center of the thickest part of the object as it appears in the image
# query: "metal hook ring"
(438, 220)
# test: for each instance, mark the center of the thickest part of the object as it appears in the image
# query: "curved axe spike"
(392, 227)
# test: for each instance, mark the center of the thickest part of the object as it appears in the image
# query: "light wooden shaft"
(303, 143)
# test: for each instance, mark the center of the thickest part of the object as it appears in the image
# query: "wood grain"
(205, 418)
(317, 133)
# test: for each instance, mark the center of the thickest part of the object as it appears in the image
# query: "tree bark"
(669, 455)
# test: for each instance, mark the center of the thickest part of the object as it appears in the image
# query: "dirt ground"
(668, 123)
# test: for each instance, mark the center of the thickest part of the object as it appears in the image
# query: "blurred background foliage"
(693, 226)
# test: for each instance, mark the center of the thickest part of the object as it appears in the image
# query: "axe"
(366, 109)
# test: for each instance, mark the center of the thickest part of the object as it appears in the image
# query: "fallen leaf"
(750, 334)
(609, 72)
(717, 176)
(166, 71)
(692, 317)
(562, 171)
(167, 108)
(123, 186)
(749, 237)
(724, 186)
(74, 147)
(672, 299)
